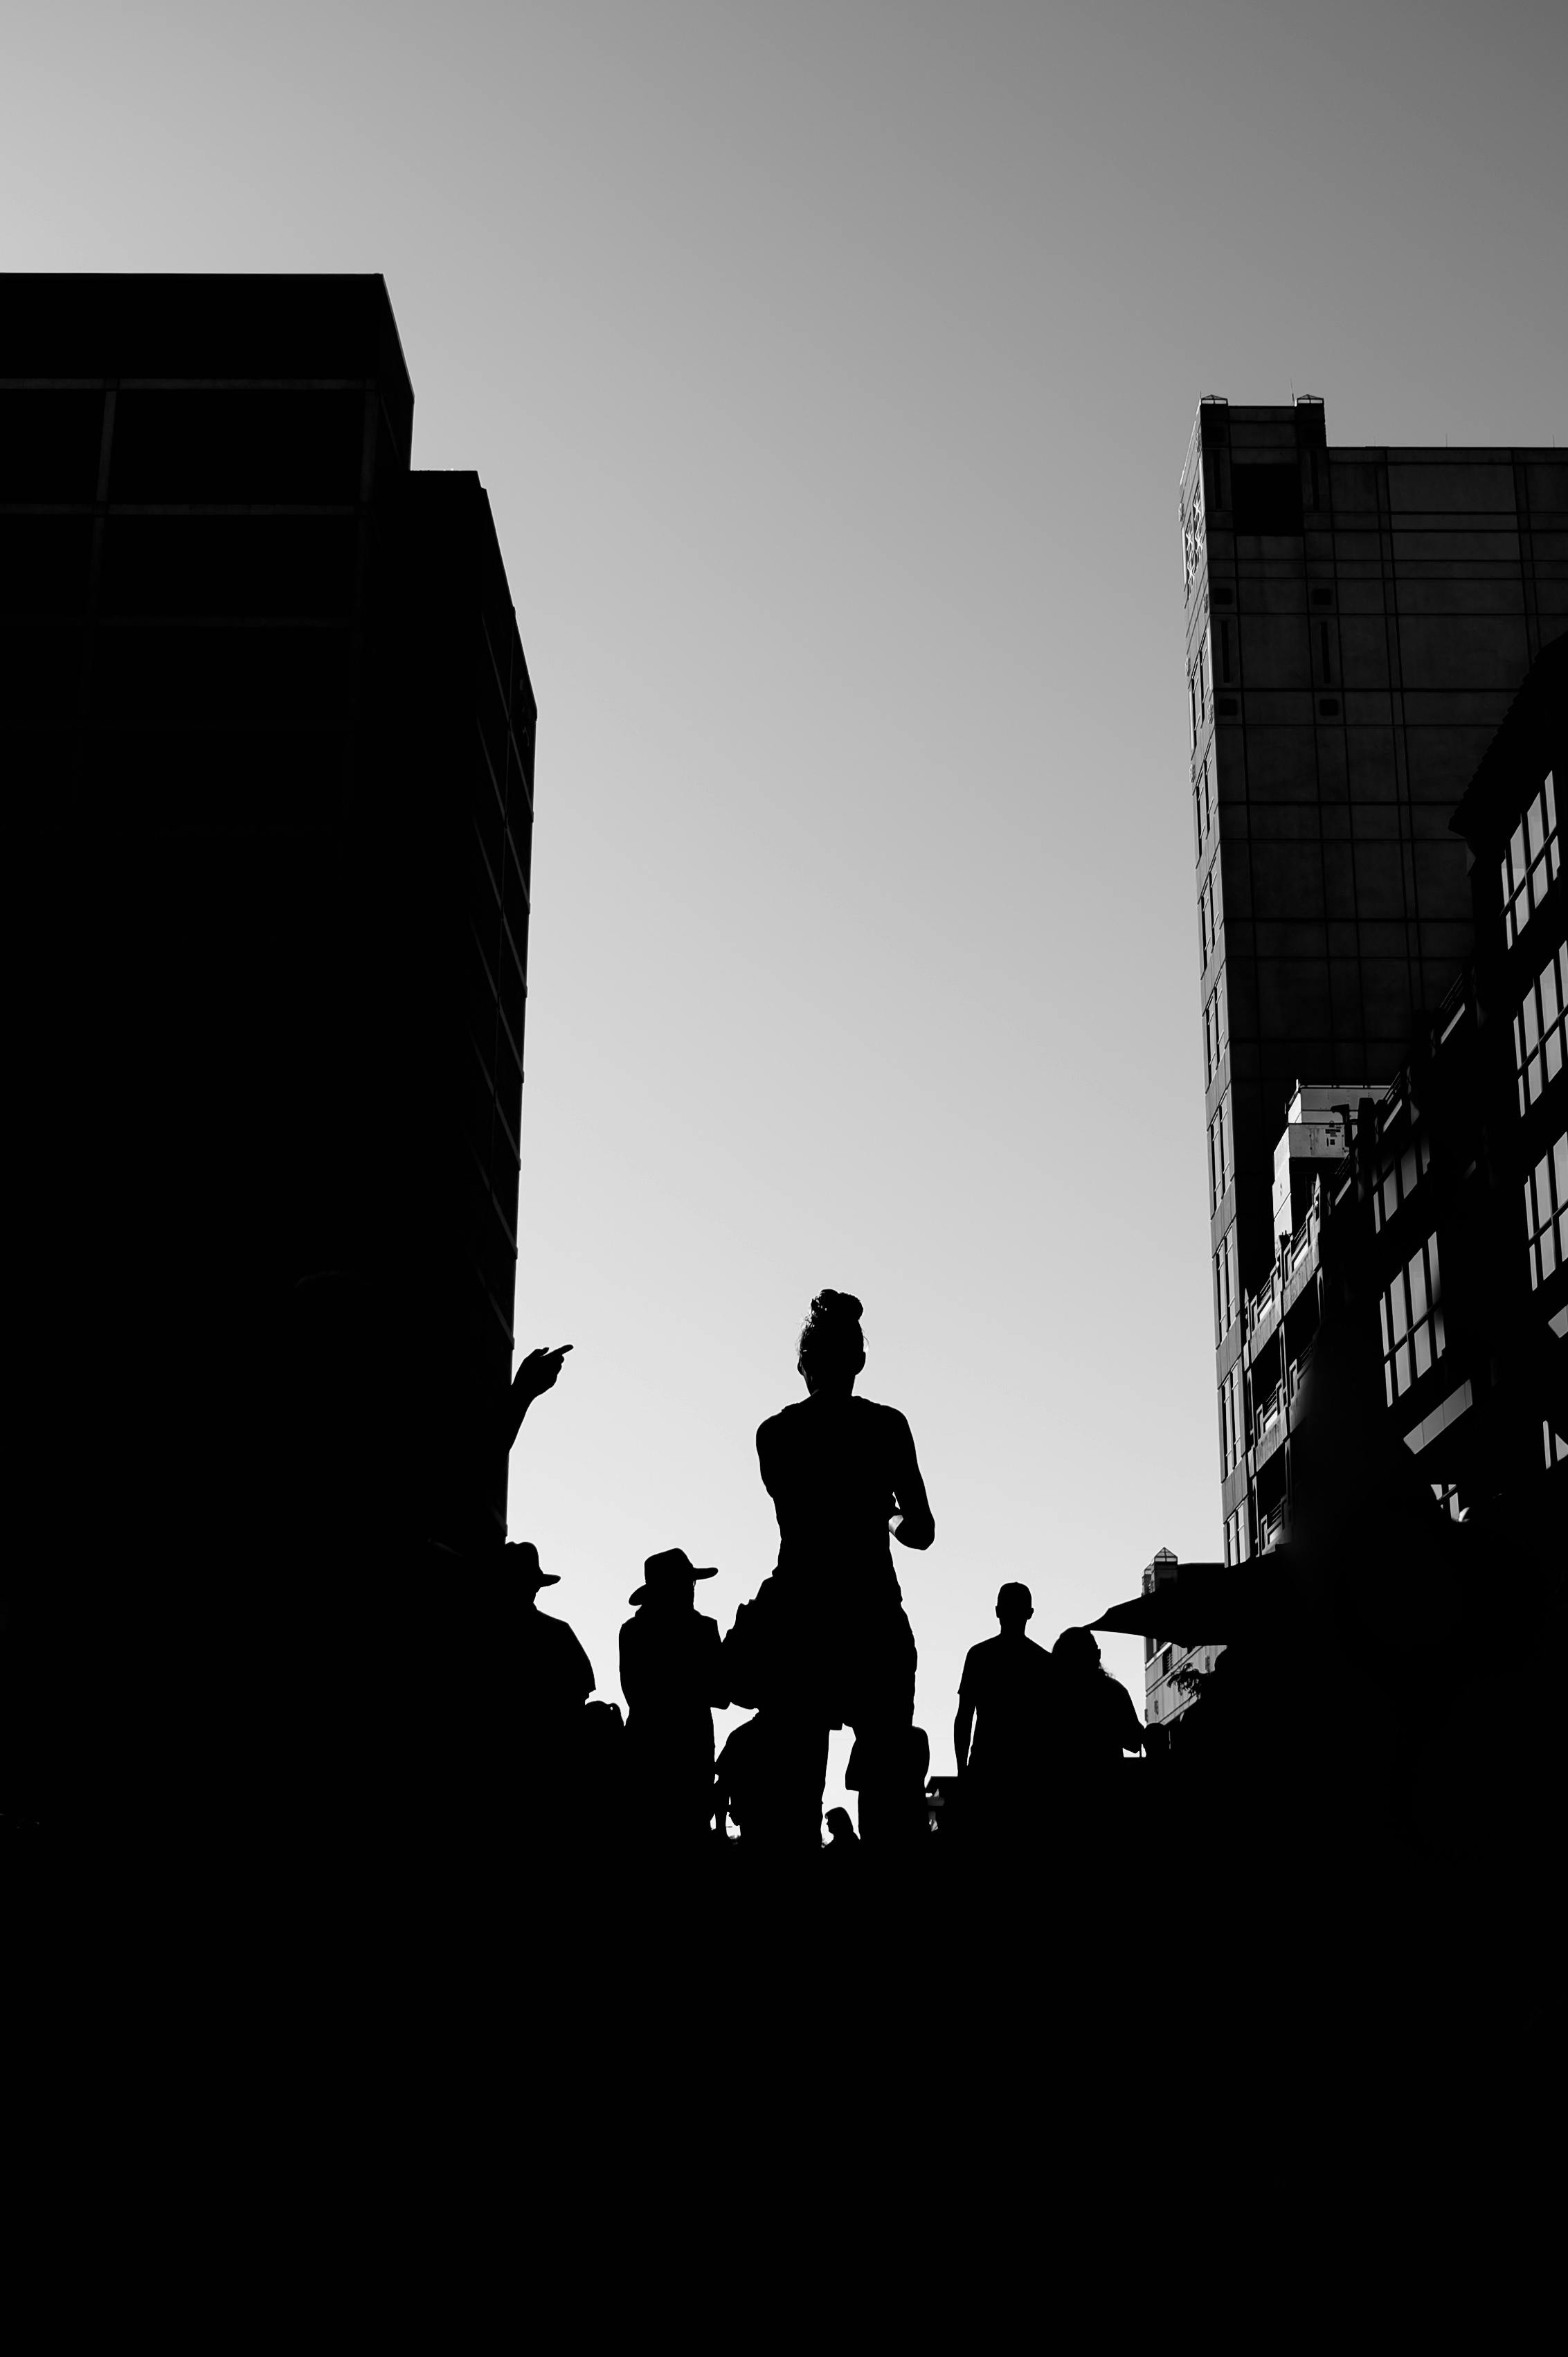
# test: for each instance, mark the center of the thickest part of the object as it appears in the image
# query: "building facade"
(1171, 1671)
(267, 731)
(1357, 622)
(1438, 1210)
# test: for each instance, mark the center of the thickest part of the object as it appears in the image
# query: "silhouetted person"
(890, 1777)
(545, 1728)
(671, 1673)
(756, 1781)
(842, 1836)
(1094, 1718)
(842, 1474)
(556, 1676)
(1008, 1685)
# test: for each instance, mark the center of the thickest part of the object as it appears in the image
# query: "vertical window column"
(1227, 1292)
(1411, 1315)
(1532, 862)
(1546, 1213)
(1539, 1029)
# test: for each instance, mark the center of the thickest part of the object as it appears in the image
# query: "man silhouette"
(557, 1676)
(1008, 1684)
(673, 1675)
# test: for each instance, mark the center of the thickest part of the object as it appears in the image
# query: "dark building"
(1440, 1208)
(266, 731)
(1171, 1670)
(1358, 621)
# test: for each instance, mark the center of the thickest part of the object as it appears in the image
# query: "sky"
(831, 370)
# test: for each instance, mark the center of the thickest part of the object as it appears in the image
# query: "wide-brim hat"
(522, 1556)
(671, 1568)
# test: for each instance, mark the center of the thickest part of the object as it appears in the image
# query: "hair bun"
(831, 1308)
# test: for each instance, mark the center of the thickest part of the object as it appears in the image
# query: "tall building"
(1437, 1210)
(1358, 621)
(267, 734)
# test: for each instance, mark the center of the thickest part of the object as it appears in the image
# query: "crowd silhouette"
(825, 1645)
(1073, 1841)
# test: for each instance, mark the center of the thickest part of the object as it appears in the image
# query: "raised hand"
(536, 1372)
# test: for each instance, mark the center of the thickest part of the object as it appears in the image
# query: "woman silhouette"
(842, 1476)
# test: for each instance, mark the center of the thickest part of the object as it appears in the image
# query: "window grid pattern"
(1411, 1314)
(1539, 1029)
(1531, 861)
(1546, 1212)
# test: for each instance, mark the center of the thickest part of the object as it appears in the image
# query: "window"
(1227, 1291)
(1202, 807)
(1538, 1030)
(1222, 1155)
(1399, 1180)
(1237, 1536)
(1209, 913)
(1531, 861)
(1192, 541)
(1412, 1316)
(1199, 691)
(1546, 1212)
(1232, 1422)
(1216, 1032)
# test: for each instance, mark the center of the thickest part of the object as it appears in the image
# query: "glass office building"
(1358, 623)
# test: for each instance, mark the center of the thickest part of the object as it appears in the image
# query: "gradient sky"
(831, 370)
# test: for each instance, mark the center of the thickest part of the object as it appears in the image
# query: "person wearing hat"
(673, 1675)
(1008, 1684)
(557, 1675)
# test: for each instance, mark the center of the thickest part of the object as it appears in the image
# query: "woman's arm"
(916, 1527)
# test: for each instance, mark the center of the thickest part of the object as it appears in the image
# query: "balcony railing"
(1268, 1413)
(1263, 1305)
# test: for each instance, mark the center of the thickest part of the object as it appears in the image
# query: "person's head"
(668, 1580)
(521, 1557)
(1077, 1651)
(841, 1825)
(832, 1348)
(1014, 1608)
